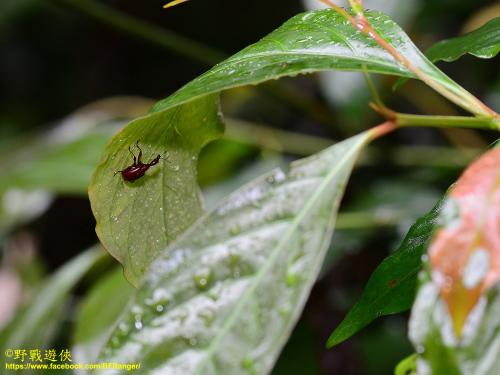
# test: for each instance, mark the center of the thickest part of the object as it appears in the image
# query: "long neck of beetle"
(155, 160)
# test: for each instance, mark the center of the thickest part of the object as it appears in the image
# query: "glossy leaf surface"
(392, 286)
(483, 42)
(135, 220)
(225, 296)
(311, 42)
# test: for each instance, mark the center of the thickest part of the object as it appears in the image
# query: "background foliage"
(58, 56)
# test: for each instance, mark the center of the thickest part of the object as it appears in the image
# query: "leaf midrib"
(274, 254)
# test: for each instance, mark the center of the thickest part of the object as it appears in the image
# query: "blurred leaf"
(58, 160)
(431, 331)
(43, 165)
(55, 166)
(483, 42)
(35, 325)
(465, 252)
(456, 316)
(225, 296)
(221, 158)
(407, 366)
(392, 286)
(95, 323)
(135, 220)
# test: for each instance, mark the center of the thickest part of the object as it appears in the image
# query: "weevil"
(138, 168)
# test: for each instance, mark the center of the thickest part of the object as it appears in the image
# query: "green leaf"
(91, 333)
(35, 168)
(53, 165)
(392, 286)
(59, 159)
(311, 42)
(34, 326)
(483, 42)
(407, 366)
(225, 296)
(135, 220)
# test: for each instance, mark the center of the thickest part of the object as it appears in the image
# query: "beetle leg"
(140, 152)
(131, 153)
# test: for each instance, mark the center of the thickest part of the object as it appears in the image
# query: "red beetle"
(137, 170)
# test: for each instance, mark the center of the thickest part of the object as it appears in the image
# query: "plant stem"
(283, 141)
(407, 120)
(461, 97)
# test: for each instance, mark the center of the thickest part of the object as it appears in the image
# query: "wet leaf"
(35, 325)
(225, 296)
(113, 292)
(391, 288)
(483, 42)
(136, 221)
(311, 42)
(465, 253)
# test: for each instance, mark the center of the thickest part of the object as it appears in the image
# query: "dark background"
(55, 57)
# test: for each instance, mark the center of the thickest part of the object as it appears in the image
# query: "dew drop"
(213, 295)
(235, 230)
(123, 328)
(202, 278)
(247, 363)
(291, 279)
(207, 316)
(285, 310)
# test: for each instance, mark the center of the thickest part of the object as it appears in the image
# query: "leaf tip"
(334, 339)
(173, 3)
